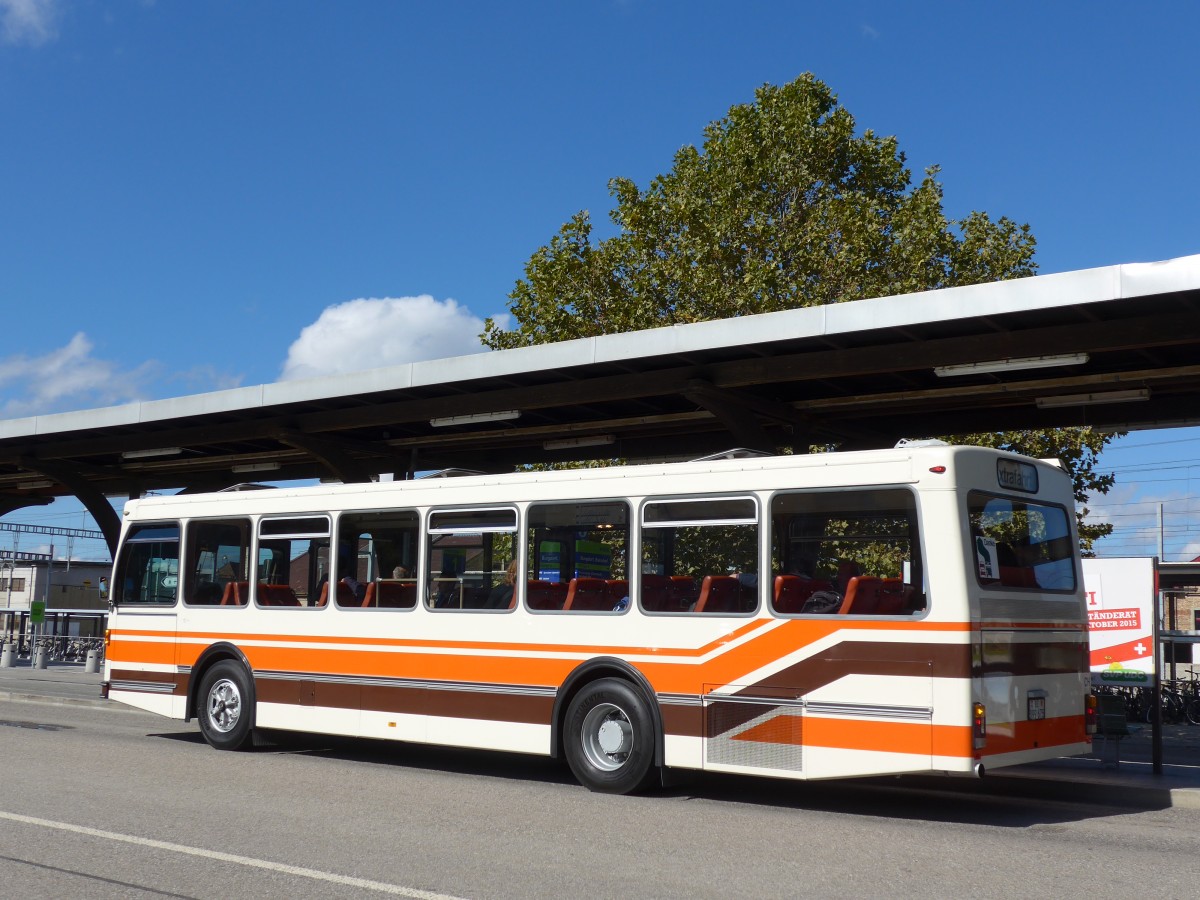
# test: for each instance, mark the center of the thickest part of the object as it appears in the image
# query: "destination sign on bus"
(1017, 476)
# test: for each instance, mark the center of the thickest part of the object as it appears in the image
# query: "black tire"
(1192, 711)
(225, 706)
(609, 738)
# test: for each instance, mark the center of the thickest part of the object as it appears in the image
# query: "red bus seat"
(719, 593)
(276, 595)
(895, 598)
(345, 596)
(862, 596)
(236, 593)
(792, 592)
(618, 589)
(545, 594)
(588, 595)
(656, 592)
(391, 594)
(682, 592)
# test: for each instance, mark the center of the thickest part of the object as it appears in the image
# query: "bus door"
(140, 665)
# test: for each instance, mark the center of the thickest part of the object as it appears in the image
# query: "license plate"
(1037, 708)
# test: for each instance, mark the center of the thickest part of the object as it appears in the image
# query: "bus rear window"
(1018, 543)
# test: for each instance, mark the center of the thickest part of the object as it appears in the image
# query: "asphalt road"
(115, 803)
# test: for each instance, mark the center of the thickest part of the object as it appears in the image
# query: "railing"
(59, 648)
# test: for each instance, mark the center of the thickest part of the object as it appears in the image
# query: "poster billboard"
(1121, 603)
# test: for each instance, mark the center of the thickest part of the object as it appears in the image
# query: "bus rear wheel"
(225, 713)
(609, 737)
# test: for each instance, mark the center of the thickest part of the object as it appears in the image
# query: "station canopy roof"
(1115, 347)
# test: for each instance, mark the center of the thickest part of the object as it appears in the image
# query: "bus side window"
(850, 553)
(147, 571)
(577, 557)
(380, 551)
(288, 557)
(468, 554)
(217, 571)
(700, 556)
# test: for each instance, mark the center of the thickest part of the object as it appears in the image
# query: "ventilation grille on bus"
(753, 734)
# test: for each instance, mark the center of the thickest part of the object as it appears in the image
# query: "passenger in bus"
(502, 594)
(401, 572)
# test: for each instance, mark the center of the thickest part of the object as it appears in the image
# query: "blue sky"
(204, 195)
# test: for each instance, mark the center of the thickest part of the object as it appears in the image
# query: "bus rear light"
(979, 725)
(1090, 713)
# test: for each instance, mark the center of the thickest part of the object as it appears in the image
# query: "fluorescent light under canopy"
(1015, 364)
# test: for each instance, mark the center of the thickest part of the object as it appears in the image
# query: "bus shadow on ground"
(991, 801)
(948, 800)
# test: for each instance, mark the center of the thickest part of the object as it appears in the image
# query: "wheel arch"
(213, 654)
(593, 670)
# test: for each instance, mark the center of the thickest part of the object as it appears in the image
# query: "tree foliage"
(785, 205)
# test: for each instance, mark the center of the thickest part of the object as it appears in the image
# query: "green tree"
(785, 205)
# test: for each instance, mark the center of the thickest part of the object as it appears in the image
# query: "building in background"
(72, 584)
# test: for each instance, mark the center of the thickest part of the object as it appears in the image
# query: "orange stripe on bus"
(821, 626)
(1008, 737)
(235, 638)
(854, 734)
(141, 652)
(516, 667)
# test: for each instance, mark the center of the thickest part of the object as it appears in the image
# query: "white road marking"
(315, 874)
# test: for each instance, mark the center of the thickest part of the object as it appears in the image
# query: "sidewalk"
(60, 682)
(1080, 779)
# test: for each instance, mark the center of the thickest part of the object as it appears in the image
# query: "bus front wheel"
(609, 737)
(225, 714)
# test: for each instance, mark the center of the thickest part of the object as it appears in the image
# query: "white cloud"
(366, 334)
(31, 22)
(68, 378)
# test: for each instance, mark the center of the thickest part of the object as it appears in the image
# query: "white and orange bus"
(895, 611)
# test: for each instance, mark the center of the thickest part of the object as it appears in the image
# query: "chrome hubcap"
(224, 705)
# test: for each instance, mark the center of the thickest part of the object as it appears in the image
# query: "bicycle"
(1171, 704)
